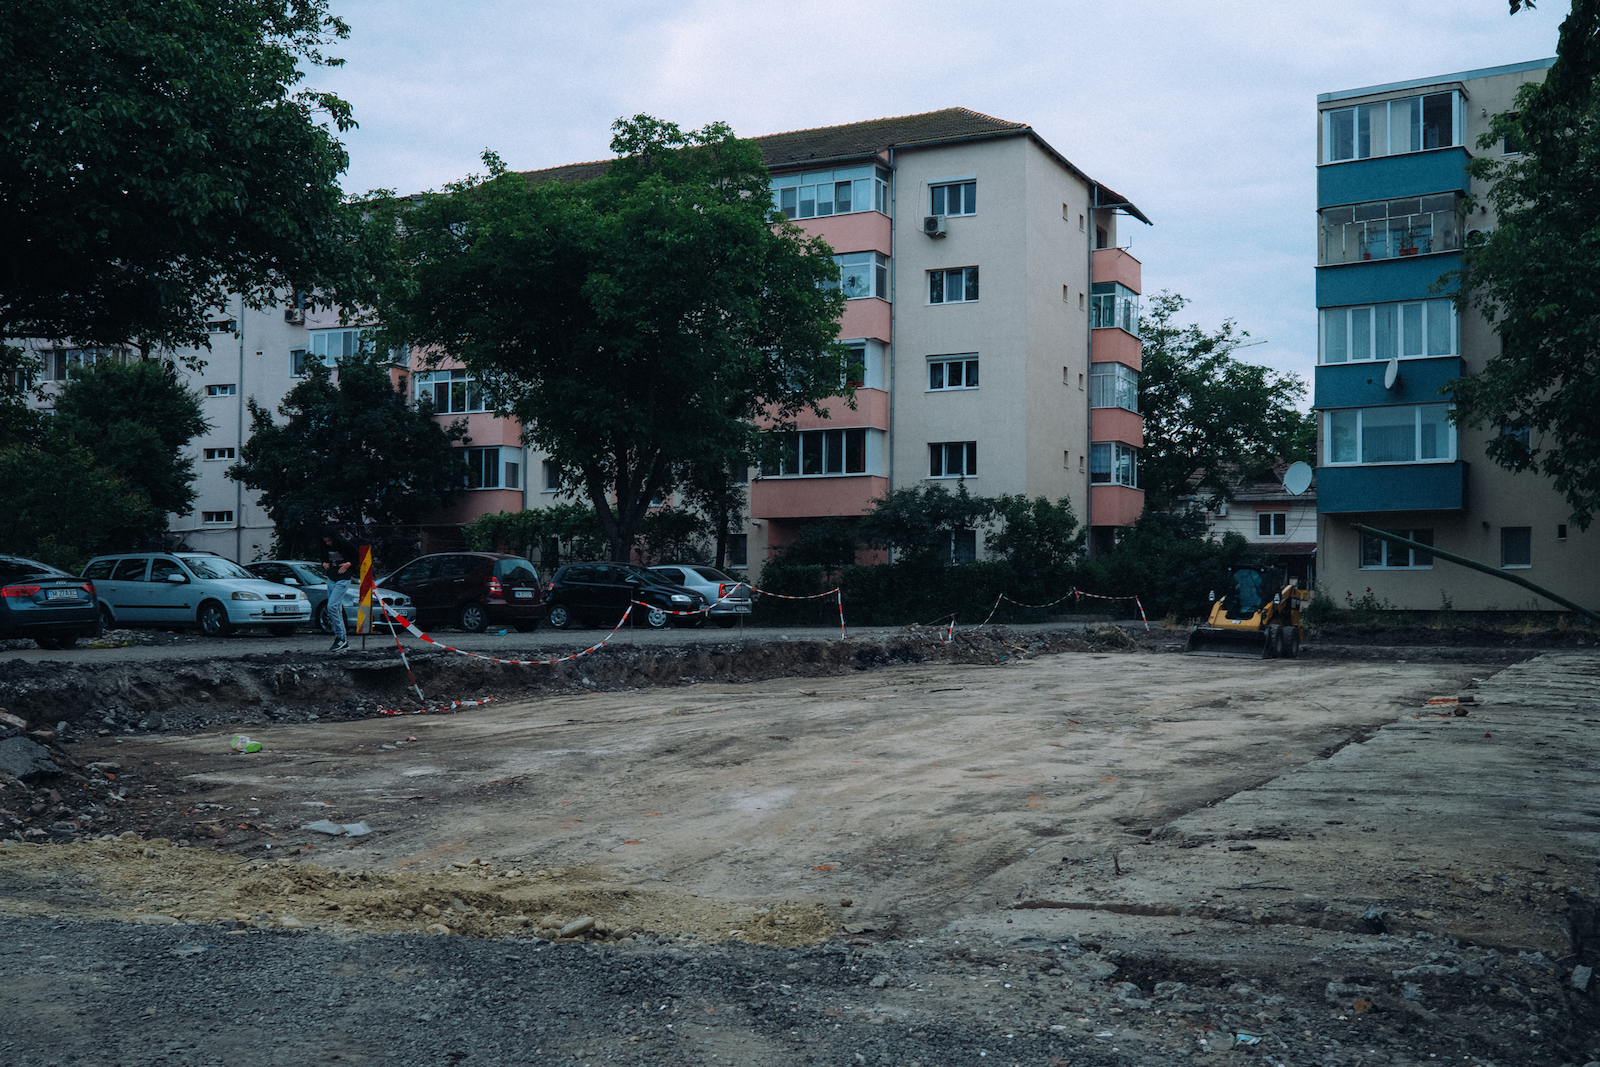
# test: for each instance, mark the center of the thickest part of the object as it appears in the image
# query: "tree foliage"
(637, 323)
(559, 532)
(1206, 411)
(921, 522)
(158, 157)
(137, 419)
(63, 506)
(1532, 276)
(353, 452)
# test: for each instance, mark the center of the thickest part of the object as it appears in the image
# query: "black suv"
(472, 590)
(586, 594)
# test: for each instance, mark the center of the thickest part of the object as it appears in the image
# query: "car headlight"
(679, 598)
(247, 595)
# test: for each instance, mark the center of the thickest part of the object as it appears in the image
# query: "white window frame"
(968, 277)
(966, 196)
(941, 452)
(1388, 549)
(1113, 463)
(225, 389)
(1352, 320)
(1330, 415)
(552, 477)
(475, 467)
(1392, 111)
(869, 191)
(215, 455)
(863, 275)
(471, 394)
(1272, 520)
(1113, 305)
(216, 518)
(1113, 385)
(832, 449)
(1504, 530)
(967, 372)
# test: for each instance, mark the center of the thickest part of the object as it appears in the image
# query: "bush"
(1166, 561)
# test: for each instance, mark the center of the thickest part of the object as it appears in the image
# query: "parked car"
(177, 589)
(44, 603)
(587, 594)
(472, 590)
(729, 597)
(307, 576)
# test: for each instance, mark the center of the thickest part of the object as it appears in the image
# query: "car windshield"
(643, 575)
(215, 567)
(12, 569)
(307, 574)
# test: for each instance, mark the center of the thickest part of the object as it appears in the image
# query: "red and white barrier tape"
(412, 629)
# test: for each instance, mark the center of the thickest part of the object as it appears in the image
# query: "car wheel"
(56, 642)
(281, 631)
(657, 618)
(213, 619)
(559, 617)
(474, 619)
(322, 618)
(527, 626)
(106, 619)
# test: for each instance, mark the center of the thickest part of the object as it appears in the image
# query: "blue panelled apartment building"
(1393, 210)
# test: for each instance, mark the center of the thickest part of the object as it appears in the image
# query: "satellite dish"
(1391, 373)
(1297, 479)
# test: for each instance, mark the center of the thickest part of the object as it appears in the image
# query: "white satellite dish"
(1297, 479)
(1391, 374)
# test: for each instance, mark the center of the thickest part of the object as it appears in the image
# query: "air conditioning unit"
(934, 225)
(295, 316)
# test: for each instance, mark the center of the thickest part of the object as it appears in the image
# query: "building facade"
(1394, 208)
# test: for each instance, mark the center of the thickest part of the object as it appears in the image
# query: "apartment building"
(993, 314)
(1393, 211)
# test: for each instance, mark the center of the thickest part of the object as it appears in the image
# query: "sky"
(1202, 113)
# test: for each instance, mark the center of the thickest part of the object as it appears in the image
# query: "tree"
(353, 452)
(1532, 276)
(137, 419)
(568, 524)
(158, 157)
(1040, 540)
(62, 507)
(921, 523)
(1208, 412)
(638, 323)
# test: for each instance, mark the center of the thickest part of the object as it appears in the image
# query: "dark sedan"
(49, 605)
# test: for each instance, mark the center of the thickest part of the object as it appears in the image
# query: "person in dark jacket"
(340, 561)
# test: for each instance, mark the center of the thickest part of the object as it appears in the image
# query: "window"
(1511, 143)
(953, 459)
(1111, 385)
(963, 546)
(216, 517)
(1114, 463)
(218, 453)
(1272, 523)
(1387, 229)
(953, 198)
(452, 391)
(1516, 547)
(956, 285)
(1561, 531)
(738, 550)
(221, 326)
(299, 362)
(953, 372)
(815, 453)
(1114, 304)
(1378, 554)
(831, 192)
(552, 477)
(483, 468)
(231, 389)
(58, 363)
(863, 367)
(863, 274)
(513, 472)
(1403, 434)
(1386, 331)
(332, 347)
(1389, 127)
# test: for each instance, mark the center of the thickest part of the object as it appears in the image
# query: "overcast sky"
(1203, 113)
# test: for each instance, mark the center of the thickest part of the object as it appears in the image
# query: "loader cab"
(1245, 596)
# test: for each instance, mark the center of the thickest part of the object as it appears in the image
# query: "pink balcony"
(872, 409)
(476, 502)
(1116, 424)
(1116, 265)
(1112, 345)
(866, 317)
(1115, 505)
(861, 231)
(808, 498)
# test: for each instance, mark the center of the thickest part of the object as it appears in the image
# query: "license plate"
(61, 594)
(522, 594)
(741, 609)
(285, 609)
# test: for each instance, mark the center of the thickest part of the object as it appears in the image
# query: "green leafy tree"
(920, 523)
(353, 452)
(1206, 411)
(1042, 541)
(63, 506)
(568, 526)
(1532, 276)
(158, 157)
(137, 419)
(637, 323)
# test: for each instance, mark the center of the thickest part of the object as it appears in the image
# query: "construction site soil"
(1042, 847)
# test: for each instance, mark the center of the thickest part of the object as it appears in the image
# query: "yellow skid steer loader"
(1246, 623)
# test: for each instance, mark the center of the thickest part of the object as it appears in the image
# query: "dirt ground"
(1171, 819)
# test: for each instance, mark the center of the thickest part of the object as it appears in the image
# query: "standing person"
(339, 558)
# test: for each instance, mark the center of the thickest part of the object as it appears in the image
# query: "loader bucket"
(1245, 644)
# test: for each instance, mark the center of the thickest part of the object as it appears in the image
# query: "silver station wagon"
(201, 589)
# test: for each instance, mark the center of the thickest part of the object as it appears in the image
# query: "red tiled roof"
(863, 140)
